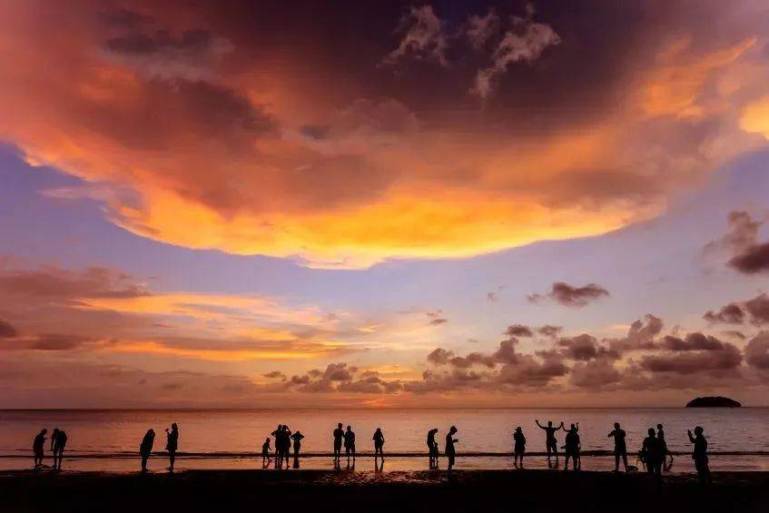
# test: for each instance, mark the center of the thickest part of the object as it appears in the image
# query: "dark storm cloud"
(569, 295)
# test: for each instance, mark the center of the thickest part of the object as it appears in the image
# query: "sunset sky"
(384, 204)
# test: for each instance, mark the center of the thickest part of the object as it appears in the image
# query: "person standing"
(338, 436)
(652, 451)
(58, 442)
(38, 448)
(349, 445)
(432, 448)
(172, 444)
(145, 448)
(572, 448)
(297, 438)
(379, 441)
(700, 455)
(450, 451)
(620, 446)
(519, 448)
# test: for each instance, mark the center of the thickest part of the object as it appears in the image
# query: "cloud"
(572, 296)
(728, 314)
(296, 178)
(549, 330)
(524, 42)
(757, 351)
(423, 37)
(726, 357)
(595, 374)
(518, 330)
(692, 342)
(741, 240)
(436, 318)
(584, 347)
(758, 308)
(275, 375)
(640, 336)
(6, 330)
(480, 29)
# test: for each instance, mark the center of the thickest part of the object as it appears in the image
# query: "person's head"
(453, 430)
(174, 427)
(659, 427)
(651, 432)
(44, 431)
(549, 423)
(339, 425)
(518, 429)
(434, 430)
(349, 428)
(698, 430)
(267, 440)
(378, 430)
(55, 430)
(616, 425)
(573, 427)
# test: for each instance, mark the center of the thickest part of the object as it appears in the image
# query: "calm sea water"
(106, 440)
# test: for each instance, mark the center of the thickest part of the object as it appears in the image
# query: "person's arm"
(560, 427)
(539, 425)
(691, 438)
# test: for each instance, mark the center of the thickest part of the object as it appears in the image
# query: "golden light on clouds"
(755, 117)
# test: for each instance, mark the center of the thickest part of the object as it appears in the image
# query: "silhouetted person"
(38, 448)
(379, 441)
(278, 434)
(700, 455)
(297, 438)
(666, 464)
(551, 444)
(58, 443)
(652, 451)
(266, 453)
(451, 452)
(172, 444)
(620, 447)
(338, 436)
(285, 444)
(349, 445)
(519, 448)
(145, 448)
(572, 447)
(432, 448)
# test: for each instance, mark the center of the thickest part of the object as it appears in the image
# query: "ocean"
(214, 439)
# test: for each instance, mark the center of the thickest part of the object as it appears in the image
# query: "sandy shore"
(321, 491)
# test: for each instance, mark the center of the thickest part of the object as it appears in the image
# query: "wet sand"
(321, 491)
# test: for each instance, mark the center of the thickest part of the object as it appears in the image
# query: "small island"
(713, 402)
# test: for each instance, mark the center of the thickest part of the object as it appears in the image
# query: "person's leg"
(624, 459)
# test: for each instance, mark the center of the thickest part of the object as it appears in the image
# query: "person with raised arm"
(620, 446)
(551, 444)
(700, 455)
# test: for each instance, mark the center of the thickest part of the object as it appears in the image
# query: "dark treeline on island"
(713, 402)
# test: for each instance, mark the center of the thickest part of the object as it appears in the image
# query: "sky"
(254, 204)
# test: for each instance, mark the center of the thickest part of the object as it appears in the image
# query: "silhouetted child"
(297, 438)
(520, 447)
(145, 448)
(349, 444)
(338, 436)
(172, 444)
(700, 455)
(450, 451)
(266, 453)
(432, 448)
(572, 447)
(58, 443)
(38, 448)
(551, 444)
(620, 447)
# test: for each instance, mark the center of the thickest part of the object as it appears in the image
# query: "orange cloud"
(188, 145)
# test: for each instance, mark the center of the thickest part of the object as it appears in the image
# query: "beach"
(321, 491)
